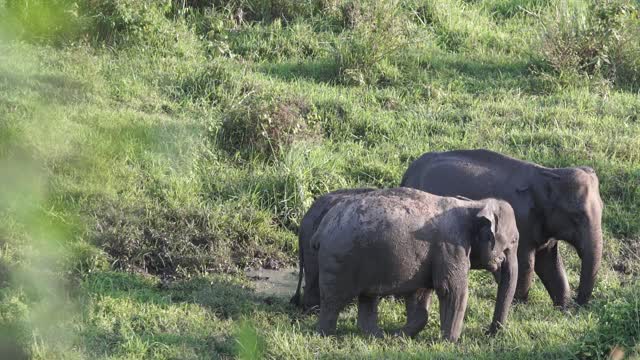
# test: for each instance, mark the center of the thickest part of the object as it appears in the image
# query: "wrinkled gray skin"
(398, 241)
(308, 257)
(549, 204)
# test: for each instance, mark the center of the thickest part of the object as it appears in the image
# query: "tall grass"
(600, 41)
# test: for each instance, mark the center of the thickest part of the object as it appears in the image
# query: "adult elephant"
(549, 204)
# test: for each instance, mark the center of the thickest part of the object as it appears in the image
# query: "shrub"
(116, 21)
(603, 42)
(376, 32)
(266, 125)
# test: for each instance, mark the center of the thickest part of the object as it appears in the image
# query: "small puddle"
(281, 283)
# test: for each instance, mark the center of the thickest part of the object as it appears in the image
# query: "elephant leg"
(417, 305)
(368, 315)
(453, 304)
(526, 261)
(328, 318)
(497, 275)
(311, 295)
(334, 295)
(550, 269)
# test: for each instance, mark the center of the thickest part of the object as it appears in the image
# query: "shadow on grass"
(157, 315)
(229, 299)
(144, 134)
(475, 75)
(225, 296)
(485, 75)
(49, 88)
(163, 345)
(321, 72)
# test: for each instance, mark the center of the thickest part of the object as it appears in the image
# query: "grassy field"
(150, 151)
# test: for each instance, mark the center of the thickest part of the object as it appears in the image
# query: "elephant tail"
(296, 298)
(403, 182)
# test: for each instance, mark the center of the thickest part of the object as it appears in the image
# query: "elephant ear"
(486, 222)
(545, 193)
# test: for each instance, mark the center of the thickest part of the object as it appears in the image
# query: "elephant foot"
(326, 332)
(328, 318)
(562, 305)
(493, 329)
(408, 331)
(326, 327)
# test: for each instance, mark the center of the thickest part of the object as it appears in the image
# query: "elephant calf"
(397, 241)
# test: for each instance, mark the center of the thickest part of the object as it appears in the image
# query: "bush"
(375, 34)
(119, 21)
(267, 125)
(603, 42)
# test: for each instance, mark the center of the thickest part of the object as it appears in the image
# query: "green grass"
(128, 211)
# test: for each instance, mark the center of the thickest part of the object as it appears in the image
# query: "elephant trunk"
(590, 252)
(506, 289)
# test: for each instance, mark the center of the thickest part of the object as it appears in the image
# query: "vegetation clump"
(375, 35)
(267, 126)
(165, 241)
(601, 40)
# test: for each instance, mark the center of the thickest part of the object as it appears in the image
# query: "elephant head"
(570, 208)
(496, 232)
(495, 247)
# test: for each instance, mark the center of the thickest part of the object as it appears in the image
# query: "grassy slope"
(109, 153)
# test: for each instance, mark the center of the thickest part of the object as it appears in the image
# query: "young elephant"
(396, 241)
(307, 255)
